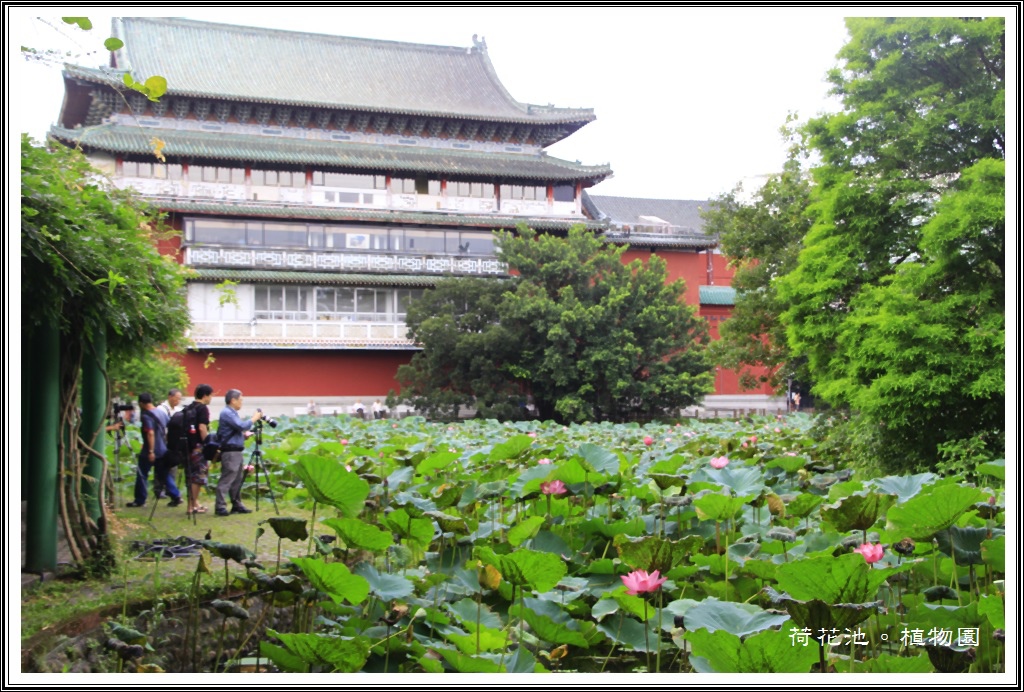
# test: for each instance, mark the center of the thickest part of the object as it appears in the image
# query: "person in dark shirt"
(198, 467)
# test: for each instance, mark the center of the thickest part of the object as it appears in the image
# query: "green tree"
(90, 266)
(762, 240)
(923, 101)
(588, 337)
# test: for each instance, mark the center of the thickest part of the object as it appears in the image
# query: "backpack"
(211, 448)
(177, 435)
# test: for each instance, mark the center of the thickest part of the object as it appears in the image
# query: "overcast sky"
(688, 101)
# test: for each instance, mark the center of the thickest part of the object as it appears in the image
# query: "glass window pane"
(565, 193)
(462, 189)
(345, 300)
(324, 301)
(237, 176)
(174, 171)
(424, 241)
(258, 177)
(433, 187)
(160, 171)
(289, 234)
(364, 300)
(219, 232)
(318, 177)
(275, 299)
(129, 169)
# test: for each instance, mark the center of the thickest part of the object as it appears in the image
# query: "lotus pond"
(727, 546)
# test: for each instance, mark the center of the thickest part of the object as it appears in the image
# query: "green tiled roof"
(717, 295)
(220, 146)
(670, 241)
(204, 59)
(489, 222)
(323, 278)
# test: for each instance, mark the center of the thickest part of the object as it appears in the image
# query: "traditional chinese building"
(321, 183)
(330, 179)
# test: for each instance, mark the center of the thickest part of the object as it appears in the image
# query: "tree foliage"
(90, 267)
(896, 297)
(762, 240)
(588, 337)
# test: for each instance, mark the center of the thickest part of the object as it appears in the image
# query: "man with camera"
(232, 433)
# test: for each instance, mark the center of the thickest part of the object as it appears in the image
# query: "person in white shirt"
(170, 407)
(378, 410)
(358, 409)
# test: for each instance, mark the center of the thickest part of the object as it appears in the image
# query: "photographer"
(232, 434)
(198, 430)
(154, 447)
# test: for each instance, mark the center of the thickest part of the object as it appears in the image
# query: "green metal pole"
(26, 398)
(94, 412)
(44, 426)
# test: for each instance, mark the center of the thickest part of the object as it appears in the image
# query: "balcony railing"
(354, 198)
(312, 260)
(309, 334)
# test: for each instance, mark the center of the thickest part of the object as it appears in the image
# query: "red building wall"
(289, 372)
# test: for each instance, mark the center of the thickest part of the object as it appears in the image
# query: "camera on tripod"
(117, 409)
(270, 421)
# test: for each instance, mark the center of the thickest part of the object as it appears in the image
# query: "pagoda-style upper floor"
(224, 73)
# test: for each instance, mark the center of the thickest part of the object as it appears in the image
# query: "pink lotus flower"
(531, 434)
(753, 439)
(545, 460)
(639, 581)
(778, 429)
(250, 468)
(719, 462)
(668, 439)
(872, 552)
(553, 488)
(743, 445)
(648, 440)
(344, 441)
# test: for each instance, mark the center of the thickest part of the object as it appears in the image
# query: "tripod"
(256, 461)
(120, 441)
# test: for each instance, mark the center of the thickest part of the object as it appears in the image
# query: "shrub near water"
(487, 547)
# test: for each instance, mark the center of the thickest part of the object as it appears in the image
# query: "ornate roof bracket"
(302, 116)
(487, 131)
(282, 116)
(201, 109)
(417, 126)
(361, 121)
(323, 118)
(341, 119)
(262, 115)
(398, 124)
(470, 128)
(452, 128)
(181, 108)
(380, 123)
(243, 111)
(222, 111)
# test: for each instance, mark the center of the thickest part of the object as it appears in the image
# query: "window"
(284, 234)
(565, 193)
(282, 302)
(218, 232)
(351, 180)
(403, 186)
(403, 298)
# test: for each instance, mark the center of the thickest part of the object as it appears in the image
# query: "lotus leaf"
(993, 552)
(358, 534)
(597, 459)
(387, 587)
(339, 654)
(655, 553)
(770, 651)
(935, 508)
(740, 619)
(334, 579)
(329, 483)
(963, 544)
(230, 609)
(292, 528)
(857, 512)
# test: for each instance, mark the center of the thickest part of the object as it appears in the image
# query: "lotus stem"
(647, 638)
(220, 644)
